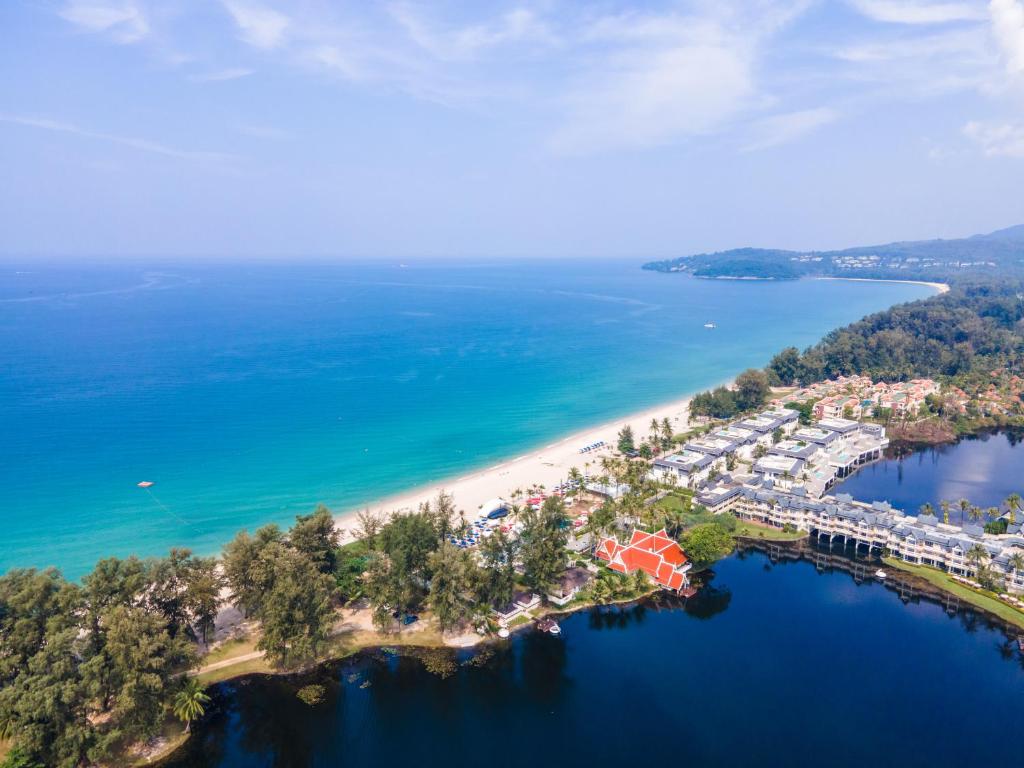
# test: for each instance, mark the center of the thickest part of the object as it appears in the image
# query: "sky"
(349, 128)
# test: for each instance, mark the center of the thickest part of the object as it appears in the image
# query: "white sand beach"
(547, 466)
(938, 287)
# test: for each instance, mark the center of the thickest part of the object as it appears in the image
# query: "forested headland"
(965, 338)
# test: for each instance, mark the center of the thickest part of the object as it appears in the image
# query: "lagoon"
(984, 469)
(771, 664)
(250, 392)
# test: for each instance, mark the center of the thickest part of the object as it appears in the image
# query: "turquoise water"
(250, 393)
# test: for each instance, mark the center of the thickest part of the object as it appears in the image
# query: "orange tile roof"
(653, 553)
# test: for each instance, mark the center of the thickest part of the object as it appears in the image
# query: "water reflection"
(984, 469)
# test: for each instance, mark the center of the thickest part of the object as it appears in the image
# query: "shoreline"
(939, 288)
(547, 465)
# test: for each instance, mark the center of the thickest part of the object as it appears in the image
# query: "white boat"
(503, 633)
(880, 574)
(710, 324)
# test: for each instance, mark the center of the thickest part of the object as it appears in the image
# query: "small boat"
(550, 626)
(145, 484)
(710, 324)
(880, 574)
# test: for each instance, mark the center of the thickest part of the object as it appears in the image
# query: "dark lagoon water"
(772, 664)
(984, 469)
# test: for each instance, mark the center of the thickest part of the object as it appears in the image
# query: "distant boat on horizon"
(710, 324)
(145, 484)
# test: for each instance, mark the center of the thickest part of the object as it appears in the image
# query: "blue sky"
(477, 129)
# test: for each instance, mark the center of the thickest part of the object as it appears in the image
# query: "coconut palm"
(1016, 562)
(964, 505)
(190, 702)
(1013, 504)
(575, 478)
(927, 509)
(977, 555)
(666, 432)
(975, 514)
(993, 512)
(945, 505)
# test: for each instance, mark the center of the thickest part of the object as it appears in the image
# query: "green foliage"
(497, 578)
(190, 702)
(805, 409)
(245, 567)
(784, 368)
(316, 536)
(706, 543)
(542, 543)
(451, 585)
(295, 613)
(144, 659)
(352, 561)
(972, 329)
(311, 695)
(626, 440)
(20, 758)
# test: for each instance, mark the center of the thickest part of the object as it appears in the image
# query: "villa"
(781, 471)
(686, 467)
(653, 553)
(569, 585)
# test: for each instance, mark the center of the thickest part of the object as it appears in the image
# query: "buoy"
(145, 484)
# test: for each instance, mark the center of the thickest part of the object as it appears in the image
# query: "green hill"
(1000, 252)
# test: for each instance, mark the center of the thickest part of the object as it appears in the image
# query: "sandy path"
(547, 466)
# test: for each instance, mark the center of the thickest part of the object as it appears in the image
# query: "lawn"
(769, 533)
(234, 670)
(229, 649)
(941, 579)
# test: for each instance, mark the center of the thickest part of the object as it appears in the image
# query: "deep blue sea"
(250, 393)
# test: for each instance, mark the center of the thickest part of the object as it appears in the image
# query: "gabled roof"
(653, 553)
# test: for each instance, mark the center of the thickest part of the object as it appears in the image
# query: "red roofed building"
(653, 553)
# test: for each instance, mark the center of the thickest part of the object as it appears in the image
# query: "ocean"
(249, 393)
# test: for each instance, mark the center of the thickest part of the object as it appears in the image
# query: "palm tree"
(1013, 503)
(189, 702)
(964, 505)
(575, 478)
(975, 514)
(1016, 562)
(666, 432)
(977, 555)
(927, 509)
(993, 513)
(945, 511)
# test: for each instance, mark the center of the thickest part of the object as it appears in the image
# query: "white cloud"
(918, 11)
(260, 26)
(123, 22)
(142, 145)
(1008, 28)
(784, 128)
(222, 75)
(649, 98)
(997, 139)
(655, 79)
(520, 25)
